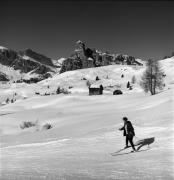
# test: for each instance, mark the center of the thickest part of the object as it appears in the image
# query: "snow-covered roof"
(95, 85)
(90, 59)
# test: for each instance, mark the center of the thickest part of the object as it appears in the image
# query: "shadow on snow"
(140, 144)
(144, 142)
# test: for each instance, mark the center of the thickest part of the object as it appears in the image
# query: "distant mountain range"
(85, 57)
(28, 64)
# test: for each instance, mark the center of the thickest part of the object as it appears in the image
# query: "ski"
(118, 152)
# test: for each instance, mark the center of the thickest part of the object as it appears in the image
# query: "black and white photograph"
(86, 90)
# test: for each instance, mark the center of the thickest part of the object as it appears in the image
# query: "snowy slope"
(110, 76)
(58, 62)
(11, 73)
(14, 75)
(168, 66)
(32, 73)
(76, 81)
(34, 65)
(85, 130)
(2, 48)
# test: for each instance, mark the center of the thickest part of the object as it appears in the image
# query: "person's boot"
(126, 147)
(134, 150)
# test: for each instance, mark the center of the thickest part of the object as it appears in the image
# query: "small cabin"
(96, 90)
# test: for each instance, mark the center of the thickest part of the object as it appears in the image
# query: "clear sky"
(142, 29)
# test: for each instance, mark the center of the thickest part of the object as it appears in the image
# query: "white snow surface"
(58, 62)
(10, 72)
(85, 128)
(14, 75)
(26, 57)
(3, 48)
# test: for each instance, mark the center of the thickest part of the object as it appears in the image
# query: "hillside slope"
(75, 81)
(84, 133)
(85, 130)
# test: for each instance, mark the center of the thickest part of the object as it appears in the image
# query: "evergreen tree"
(58, 91)
(97, 78)
(152, 78)
(7, 100)
(128, 84)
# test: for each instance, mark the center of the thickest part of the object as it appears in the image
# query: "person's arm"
(121, 128)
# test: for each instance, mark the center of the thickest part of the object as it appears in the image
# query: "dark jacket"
(128, 129)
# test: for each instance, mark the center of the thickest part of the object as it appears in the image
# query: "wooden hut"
(96, 90)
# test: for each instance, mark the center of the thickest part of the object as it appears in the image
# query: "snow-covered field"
(85, 129)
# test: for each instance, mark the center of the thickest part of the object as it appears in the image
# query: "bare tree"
(152, 78)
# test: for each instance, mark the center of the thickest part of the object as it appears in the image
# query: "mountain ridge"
(27, 61)
(33, 64)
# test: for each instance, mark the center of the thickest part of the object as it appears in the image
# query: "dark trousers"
(130, 140)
